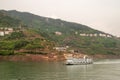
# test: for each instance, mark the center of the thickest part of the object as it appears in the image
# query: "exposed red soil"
(38, 57)
(32, 57)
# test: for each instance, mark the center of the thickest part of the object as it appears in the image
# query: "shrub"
(6, 52)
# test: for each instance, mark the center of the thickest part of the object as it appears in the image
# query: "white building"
(10, 29)
(108, 36)
(102, 35)
(2, 33)
(76, 32)
(61, 48)
(7, 32)
(83, 34)
(95, 35)
(58, 33)
(91, 35)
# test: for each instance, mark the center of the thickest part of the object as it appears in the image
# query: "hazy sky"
(102, 15)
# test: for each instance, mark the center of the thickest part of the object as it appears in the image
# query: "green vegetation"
(15, 35)
(38, 35)
(101, 46)
(9, 47)
(7, 21)
(6, 52)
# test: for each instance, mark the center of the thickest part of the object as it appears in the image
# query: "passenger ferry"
(78, 61)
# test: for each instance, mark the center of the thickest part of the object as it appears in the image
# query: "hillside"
(57, 32)
(17, 38)
(48, 26)
(7, 21)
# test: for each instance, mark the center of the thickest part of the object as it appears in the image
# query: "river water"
(100, 70)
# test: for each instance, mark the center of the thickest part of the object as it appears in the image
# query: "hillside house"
(58, 33)
(83, 34)
(95, 35)
(76, 32)
(60, 48)
(108, 36)
(10, 29)
(102, 35)
(7, 32)
(2, 33)
(91, 35)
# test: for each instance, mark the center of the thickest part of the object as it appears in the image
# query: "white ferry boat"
(78, 61)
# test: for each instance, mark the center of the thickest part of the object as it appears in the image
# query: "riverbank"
(99, 56)
(38, 57)
(32, 57)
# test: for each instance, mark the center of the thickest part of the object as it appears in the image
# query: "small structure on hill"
(58, 33)
(6, 30)
(61, 48)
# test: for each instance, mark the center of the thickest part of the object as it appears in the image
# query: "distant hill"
(7, 21)
(46, 23)
(49, 25)
(63, 33)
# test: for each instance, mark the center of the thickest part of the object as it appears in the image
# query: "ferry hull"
(78, 61)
